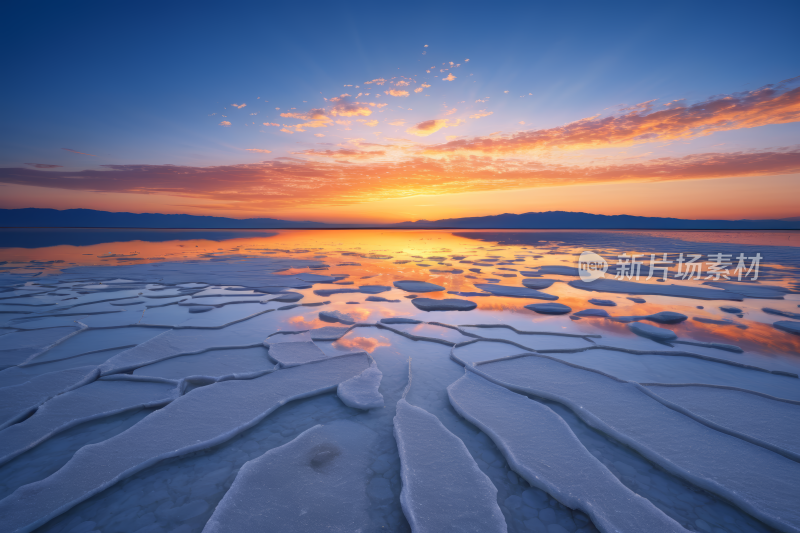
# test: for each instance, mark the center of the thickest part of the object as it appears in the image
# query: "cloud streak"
(648, 122)
(83, 153)
(328, 178)
(428, 127)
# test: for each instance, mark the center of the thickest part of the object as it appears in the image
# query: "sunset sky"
(385, 112)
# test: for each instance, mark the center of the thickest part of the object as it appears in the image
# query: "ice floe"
(361, 391)
(93, 401)
(515, 292)
(417, 286)
(652, 332)
(547, 454)
(445, 304)
(763, 484)
(316, 482)
(443, 488)
(549, 308)
(634, 288)
(18, 401)
(203, 418)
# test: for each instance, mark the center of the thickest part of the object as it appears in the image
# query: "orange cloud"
(319, 135)
(225, 123)
(292, 182)
(395, 92)
(402, 83)
(423, 129)
(399, 122)
(647, 123)
(369, 123)
(418, 90)
(451, 111)
(238, 106)
(449, 77)
(260, 151)
(339, 98)
(377, 81)
(481, 113)
(271, 124)
(344, 109)
(317, 118)
(346, 153)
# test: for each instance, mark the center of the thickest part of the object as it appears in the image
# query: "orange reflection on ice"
(368, 344)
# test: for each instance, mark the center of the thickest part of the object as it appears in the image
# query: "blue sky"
(149, 83)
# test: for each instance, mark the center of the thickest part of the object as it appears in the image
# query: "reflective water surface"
(219, 300)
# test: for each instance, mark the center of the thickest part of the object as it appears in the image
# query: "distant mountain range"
(88, 218)
(570, 220)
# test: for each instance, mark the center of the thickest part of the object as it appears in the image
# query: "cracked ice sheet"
(172, 343)
(634, 342)
(433, 372)
(19, 346)
(17, 401)
(534, 342)
(547, 454)
(484, 351)
(205, 417)
(431, 331)
(443, 488)
(46, 458)
(764, 484)
(676, 369)
(763, 419)
(255, 270)
(95, 340)
(17, 375)
(95, 400)
(213, 363)
(317, 482)
(215, 318)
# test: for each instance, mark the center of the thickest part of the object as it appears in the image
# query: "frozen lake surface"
(383, 380)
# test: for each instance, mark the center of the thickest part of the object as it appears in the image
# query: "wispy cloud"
(649, 122)
(428, 127)
(297, 182)
(482, 113)
(259, 150)
(238, 106)
(43, 165)
(225, 123)
(77, 152)
(344, 109)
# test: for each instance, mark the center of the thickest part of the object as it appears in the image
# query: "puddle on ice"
(198, 318)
